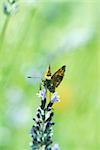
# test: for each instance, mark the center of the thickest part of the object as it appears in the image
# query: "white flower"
(55, 98)
(42, 94)
(55, 147)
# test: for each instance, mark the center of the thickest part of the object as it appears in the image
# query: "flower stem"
(2, 36)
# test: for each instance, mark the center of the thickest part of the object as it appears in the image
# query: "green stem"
(2, 36)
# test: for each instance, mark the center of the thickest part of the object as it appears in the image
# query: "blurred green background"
(57, 33)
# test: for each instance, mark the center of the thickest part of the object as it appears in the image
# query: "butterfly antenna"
(32, 77)
(29, 77)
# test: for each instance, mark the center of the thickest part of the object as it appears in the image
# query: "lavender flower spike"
(55, 98)
(42, 94)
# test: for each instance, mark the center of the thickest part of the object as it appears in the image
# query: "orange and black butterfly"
(51, 82)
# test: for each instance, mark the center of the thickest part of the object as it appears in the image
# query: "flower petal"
(55, 98)
(55, 147)
(42, 94)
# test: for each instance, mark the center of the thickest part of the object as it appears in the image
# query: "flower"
(55, 98)
(55, 147)
(42, 94)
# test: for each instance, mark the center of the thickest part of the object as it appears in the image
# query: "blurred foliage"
(57, 33)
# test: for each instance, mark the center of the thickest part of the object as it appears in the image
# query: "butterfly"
(51, 82)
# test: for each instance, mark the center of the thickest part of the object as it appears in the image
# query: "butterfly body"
(51, 82)
(49, 85)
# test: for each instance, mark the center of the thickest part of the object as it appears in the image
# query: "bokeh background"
(58, 33)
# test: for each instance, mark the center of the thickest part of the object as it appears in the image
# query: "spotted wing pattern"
(52, 82)
(57, 77)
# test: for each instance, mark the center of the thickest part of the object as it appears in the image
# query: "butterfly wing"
(48, 73)
(57, 77)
